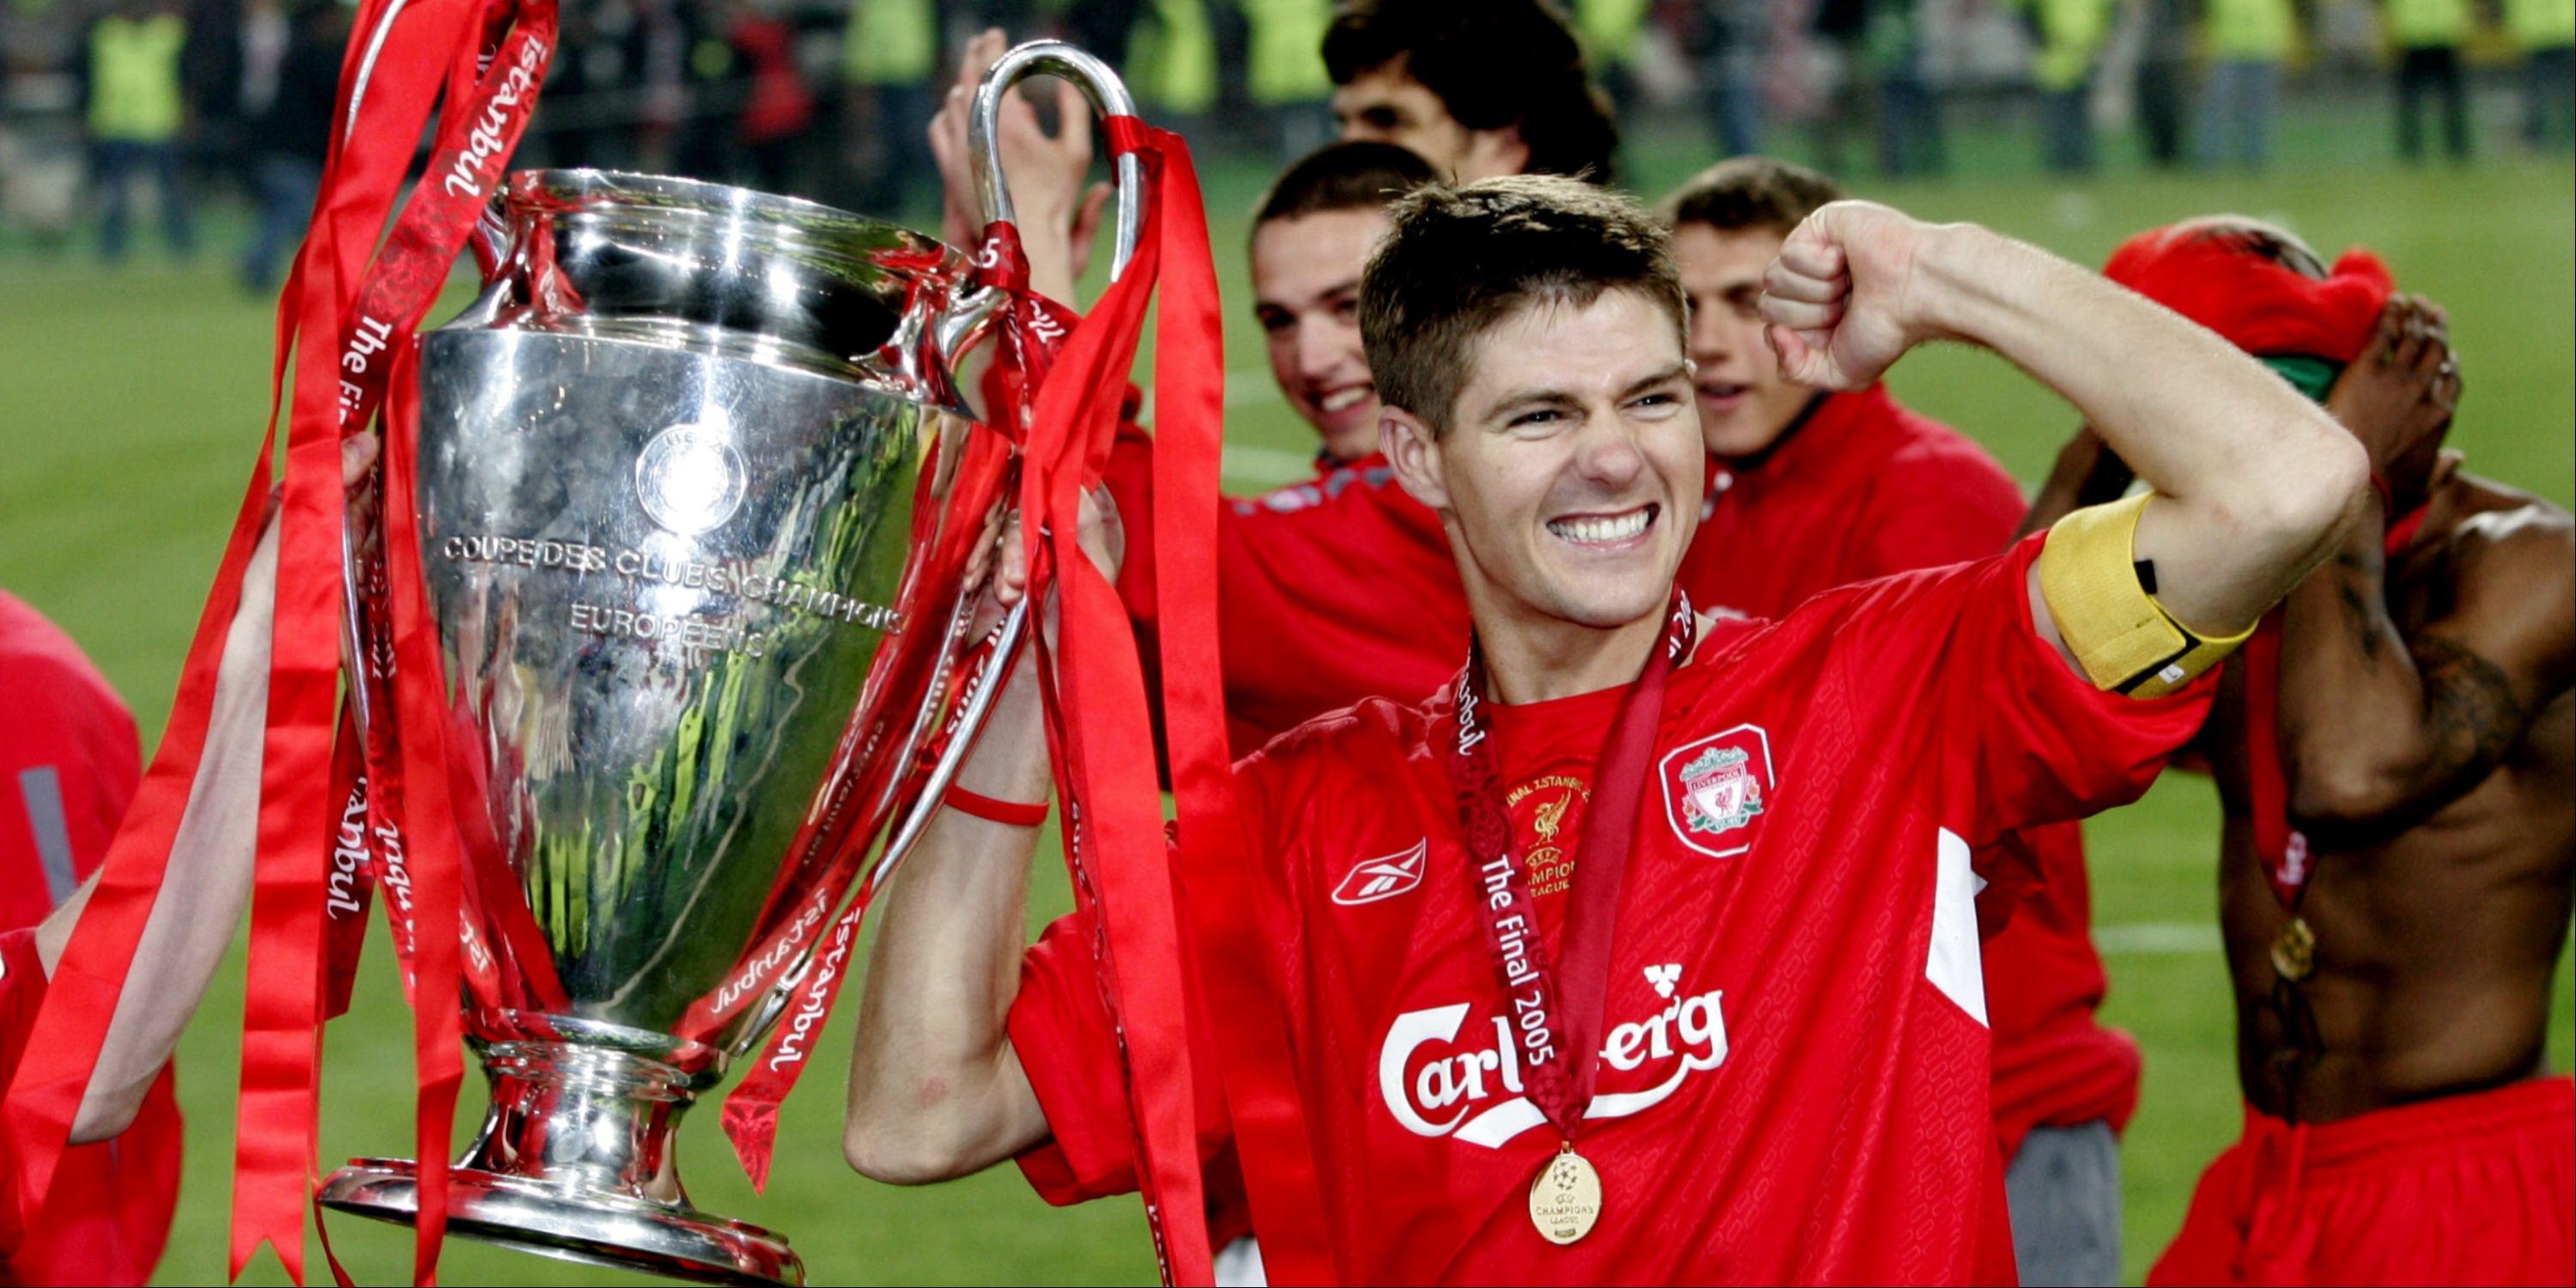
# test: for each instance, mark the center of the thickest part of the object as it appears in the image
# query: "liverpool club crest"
(1714, 788)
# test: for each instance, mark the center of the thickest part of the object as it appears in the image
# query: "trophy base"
(600, 1230)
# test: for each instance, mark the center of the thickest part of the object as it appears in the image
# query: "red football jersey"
(22, 993)
(1328, 591)
(69, 763)
(1866, 488)
(1793, 1081)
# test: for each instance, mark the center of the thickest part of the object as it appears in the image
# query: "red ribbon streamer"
(284, 992)
(1105, 772)
(437, 1022)
(391, 75)
(350, 886)
(1225, 893)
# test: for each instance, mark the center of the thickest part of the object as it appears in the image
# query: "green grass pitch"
(132, 401)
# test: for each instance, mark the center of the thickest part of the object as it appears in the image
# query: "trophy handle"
(967, 317)
(1109, 97)
(973, 707)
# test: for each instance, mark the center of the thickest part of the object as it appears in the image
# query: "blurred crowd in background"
(105, 103)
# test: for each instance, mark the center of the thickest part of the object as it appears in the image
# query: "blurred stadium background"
(132, 391)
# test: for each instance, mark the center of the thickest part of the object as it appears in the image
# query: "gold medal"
(2294, 950)
(1565, 1200)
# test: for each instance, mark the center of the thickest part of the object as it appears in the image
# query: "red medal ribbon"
(1559, 1027)
(2280, 848)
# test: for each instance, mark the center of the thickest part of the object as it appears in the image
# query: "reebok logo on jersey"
(1437, 1085)
(1385, 878)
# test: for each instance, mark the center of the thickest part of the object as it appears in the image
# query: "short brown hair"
(1749, 192)
(1492, 63)
(1460, 260)
(2259, 238)
(1343, 176)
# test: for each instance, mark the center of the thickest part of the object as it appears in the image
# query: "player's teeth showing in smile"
(1343, 399)
(1603, 529)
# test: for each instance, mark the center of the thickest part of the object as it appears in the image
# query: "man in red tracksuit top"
(1739, 1034)
(1811, 490)
(68, 765)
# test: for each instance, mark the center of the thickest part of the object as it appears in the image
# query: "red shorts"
(2473, 1189)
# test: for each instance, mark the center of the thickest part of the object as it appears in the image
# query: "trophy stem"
(575, 1161)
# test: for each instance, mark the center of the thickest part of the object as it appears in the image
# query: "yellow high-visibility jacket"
(134, 78)
(2415, 24)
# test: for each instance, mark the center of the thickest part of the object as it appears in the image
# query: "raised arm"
(935, 1089)
(2379, 730)
(211, 857)
(2255, 481)
(936, 1092)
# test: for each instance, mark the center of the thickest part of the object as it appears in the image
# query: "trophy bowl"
(702, 517)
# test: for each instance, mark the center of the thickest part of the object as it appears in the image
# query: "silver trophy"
(703, 516)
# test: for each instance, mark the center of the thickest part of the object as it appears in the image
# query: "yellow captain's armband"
(2125, 640)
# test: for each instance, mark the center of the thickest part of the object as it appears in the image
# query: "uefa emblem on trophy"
(702, 514)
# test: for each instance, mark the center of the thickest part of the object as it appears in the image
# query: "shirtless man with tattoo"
(2400, 835)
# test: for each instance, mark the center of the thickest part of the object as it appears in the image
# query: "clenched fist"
(1844, 297)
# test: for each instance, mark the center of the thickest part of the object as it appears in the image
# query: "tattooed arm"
(2379, 730)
